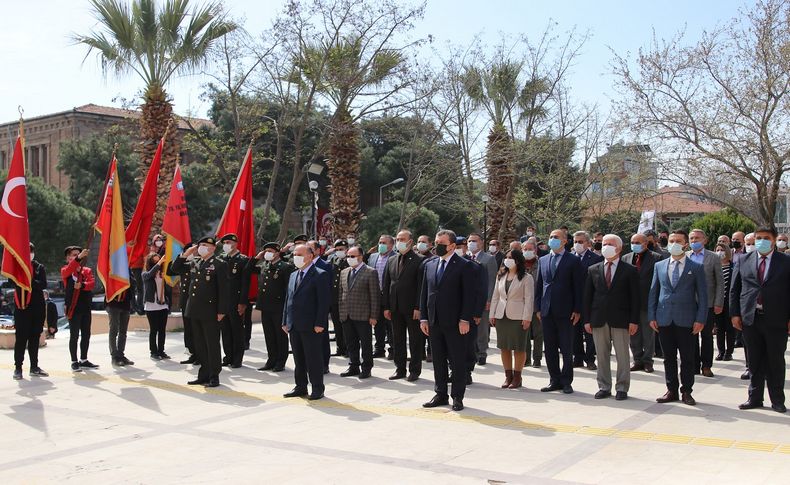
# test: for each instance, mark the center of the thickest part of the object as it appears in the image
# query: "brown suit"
(359, 301)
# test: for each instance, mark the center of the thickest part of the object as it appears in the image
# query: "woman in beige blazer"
(511, 314)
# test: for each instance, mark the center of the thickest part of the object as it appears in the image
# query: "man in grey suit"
(643, 342)
(378, 261)
(703, 355)
(488, 261)
(677, 309)
(359, 301)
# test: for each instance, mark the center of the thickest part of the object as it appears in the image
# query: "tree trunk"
(500, 179)
(344, 170)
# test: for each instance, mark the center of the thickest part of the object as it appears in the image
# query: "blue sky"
(44, 73)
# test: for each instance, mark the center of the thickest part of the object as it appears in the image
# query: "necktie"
(299, 278)
(440, 273)
(400, 263)
(473, 257)
(761, 279)
(555, 260)
(638, 258)
(675, 274)
(608, 274)
(352, 276)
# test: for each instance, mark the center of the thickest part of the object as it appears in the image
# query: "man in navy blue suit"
(321, 263)
(677, 309)
(447, 306)
(583, 343)
(305, 320)
(558, 299)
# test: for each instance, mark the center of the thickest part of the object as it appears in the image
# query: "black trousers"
(157, 322)
(767, 346)
(401, 326)
(448, 345)
(558, 339)
(80, 326)
(308, 359)
(383, 332)
(359, 337)
(678, 340)
(276, 339)
(338, 325)
(471, 347)
(28, 324)
(206, 332)
(138, 296)
(247, 324)
(233, 338)
(703, 355)
(583, 345)
(189, 334)
(725, 332)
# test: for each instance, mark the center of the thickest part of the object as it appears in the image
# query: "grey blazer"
(713, 277)
(360, 301)
(489, 263)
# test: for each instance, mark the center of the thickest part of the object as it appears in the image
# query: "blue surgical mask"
(696, 246)
(763, 246)
(637, 248)
(555, 244)
(382, 248)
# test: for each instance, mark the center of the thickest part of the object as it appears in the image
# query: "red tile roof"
(129, 113)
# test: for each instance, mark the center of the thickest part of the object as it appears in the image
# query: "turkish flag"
(139, 227)
(238, 218)
(14, 229)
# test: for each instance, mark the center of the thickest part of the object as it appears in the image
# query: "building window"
(781, 210)
(2, 160)
(45, 163)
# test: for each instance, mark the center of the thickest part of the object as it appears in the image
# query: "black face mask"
(441, 250)
(736, 245)
(664, 241)
(650, 246)
(597, 246)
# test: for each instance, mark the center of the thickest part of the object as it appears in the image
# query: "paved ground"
(144, 425)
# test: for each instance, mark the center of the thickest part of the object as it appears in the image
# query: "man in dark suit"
(359, 307)
(643, 342)
(611, 313)
(446, 309)
(677, 310)
(760, 307)
(207, 303)
(321, 263)
(583, 342)
(558, 299)
(401, 293)
(338, 261)
(305, 320)
(378, 261)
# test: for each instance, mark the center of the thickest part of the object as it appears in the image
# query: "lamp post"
(485, 218)
(313, 185)
(381, 189)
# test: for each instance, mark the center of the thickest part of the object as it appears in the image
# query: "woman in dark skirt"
(511, 314)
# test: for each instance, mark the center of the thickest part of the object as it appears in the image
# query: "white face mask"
(353, 262)
(781, 244)
(749, 248)
(402, 246)
(322, 242)
(340, 254)
(529, 255)
(422, 247)
(675, 249)
(720, 254)
(159, 243)
(299, 261)
(459, 252)
(473, 247)
(579, 248)
(268, 256)
(509, 263)
(350, 240)
(227, 248)
(530, 234)
(608, 251)
(203, 251)
(492, 249)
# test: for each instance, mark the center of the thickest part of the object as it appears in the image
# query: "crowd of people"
(568, 300)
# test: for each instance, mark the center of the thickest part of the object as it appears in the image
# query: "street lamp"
(313, 186)
(381, 189)
(485, 218)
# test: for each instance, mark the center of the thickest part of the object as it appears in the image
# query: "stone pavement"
(143, 424)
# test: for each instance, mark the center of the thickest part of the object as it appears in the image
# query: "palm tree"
(155, 43)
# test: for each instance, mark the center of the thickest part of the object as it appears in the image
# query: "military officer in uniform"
(184, 281)
(288, 250)
(233, 333)
(208, 294)
(339, 263)
(274, 273)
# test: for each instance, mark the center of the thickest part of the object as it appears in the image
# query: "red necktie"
(638, 258)
(761, 279)
(609, 275)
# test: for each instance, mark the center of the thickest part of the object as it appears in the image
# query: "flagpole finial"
(21, 111)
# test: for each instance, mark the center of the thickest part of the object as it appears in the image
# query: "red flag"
(112, 266)
(176, 224)
(14, 229)
(140, 226)
(238, 217)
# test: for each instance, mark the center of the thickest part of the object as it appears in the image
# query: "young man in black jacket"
(29, 321)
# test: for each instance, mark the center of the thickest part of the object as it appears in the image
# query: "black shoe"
(649, 368)
(592, 366)
(727, 357)
(621, 396)
(38, 372)
(226, 364)
(438, 400)
(469, 379)
(315, 396)
(267, 366)
(397, 375)
(197, 382)
(191, 360)
(156, 356)
(390, 356)
(326, 370)
(296, 393)
(578, 363)
(603, 394)
(279, 368)
(536, 365)
(687, 399)
(720, 356)
(413, 377)
(213, 382)
(235, 366)
(86, 364)
(118, 362)
(567, 389)
(247, 347)
(481, 360)
(637, 366)
(351, 372)
(551, 388)
(378, 354)
(779, 408)
(458, 404)
(428, 358)
(18, 374)
(165, 356)
(750, 405)
(365, 374)
(127, 361)
(746, 375)
(75, 366)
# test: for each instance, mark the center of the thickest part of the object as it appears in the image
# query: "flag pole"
(24, 299)
(92, 230)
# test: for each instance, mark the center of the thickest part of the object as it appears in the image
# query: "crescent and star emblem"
(9, 187)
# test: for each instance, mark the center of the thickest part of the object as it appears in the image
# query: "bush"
(723, 222)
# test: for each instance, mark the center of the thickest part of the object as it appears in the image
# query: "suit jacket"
(208, 290)
(488, 261)
(686, 303)
(775, 290)
(590, 258)
(713, 277)
(560, 294)
(359, 301)
(307, 305)
(447, 301)
(617, 305)
(518, 302)
(649, 260)
(401, 292)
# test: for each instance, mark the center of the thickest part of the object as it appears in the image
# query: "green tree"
(623, 223)
(384, 220)
(723, 222)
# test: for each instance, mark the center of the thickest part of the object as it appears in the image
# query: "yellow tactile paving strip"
(444, 415)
